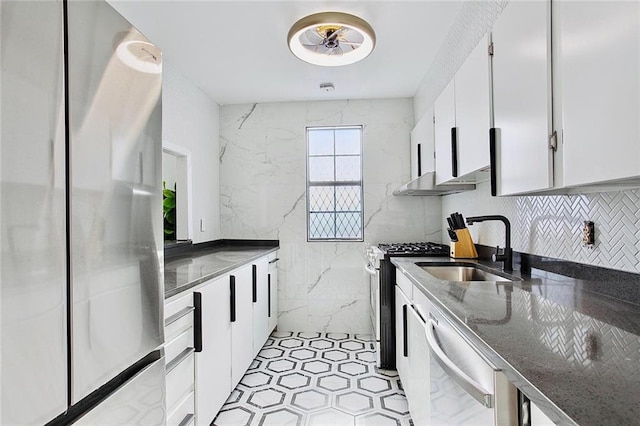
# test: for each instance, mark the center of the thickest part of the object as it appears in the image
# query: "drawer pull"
(274, 260)
(269, 295)
(232, 297)
(180, 314)
(254, 283)
(188, 419)
(177, 360)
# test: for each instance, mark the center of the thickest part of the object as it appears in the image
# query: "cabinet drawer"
(181, 415)
(180, 325)
(180, 381)
(175, 347)
(405, 285)
(177, 305)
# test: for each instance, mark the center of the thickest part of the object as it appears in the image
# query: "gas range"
(414, 249)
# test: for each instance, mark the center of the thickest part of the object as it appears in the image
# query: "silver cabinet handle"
(472, 387)
(180, 314)
(370, 270)
(188, 420)
(177, 360)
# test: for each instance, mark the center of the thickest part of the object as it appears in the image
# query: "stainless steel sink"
(462, 273)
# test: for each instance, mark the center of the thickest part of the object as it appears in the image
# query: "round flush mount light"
(331, 39)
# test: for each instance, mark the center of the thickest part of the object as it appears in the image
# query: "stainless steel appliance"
(382, 278)
(80, 217)
(465, 387)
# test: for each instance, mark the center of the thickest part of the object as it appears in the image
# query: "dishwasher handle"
(472, 387)
(370, 270)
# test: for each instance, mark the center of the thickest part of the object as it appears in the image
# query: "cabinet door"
(261, 301)
(521, 68)
(472, 110)
(422, 146)
(272, 293)
(418, 393)
(599, 45)
(240, 282)
(445, 120)
(213, 364)
(402, 349)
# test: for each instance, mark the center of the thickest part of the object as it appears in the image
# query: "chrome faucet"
(506, 256)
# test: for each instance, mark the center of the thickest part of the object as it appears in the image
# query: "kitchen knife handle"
(254, 298)
(454, 151)
(419, 159)
(405, 332)
(197, 321)
(492, 161)
(232, 298)
(269, 295)
(450, 222)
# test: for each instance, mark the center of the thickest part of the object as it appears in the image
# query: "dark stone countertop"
(204, 262)
(571, 344)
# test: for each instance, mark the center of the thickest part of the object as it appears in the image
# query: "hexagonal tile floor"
(316, 379)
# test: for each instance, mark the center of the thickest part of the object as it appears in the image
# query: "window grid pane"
(334, 185)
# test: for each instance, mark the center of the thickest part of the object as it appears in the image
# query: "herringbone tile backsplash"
(551, 225)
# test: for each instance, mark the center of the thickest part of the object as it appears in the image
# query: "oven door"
(374, 300)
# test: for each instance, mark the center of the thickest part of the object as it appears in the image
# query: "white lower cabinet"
(241, 322)
(179, 356)
(235, 325)
(418, 395)
(213, 363)
(412, 357)
(402, 350)
(272, 291)
(261, 302)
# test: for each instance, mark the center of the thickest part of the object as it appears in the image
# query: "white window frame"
(336, 183)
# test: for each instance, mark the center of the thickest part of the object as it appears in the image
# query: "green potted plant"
(169, 211)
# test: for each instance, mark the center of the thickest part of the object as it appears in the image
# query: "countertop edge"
(520, 381)
(174, 293)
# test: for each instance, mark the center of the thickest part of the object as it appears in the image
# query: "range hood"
(426, 185)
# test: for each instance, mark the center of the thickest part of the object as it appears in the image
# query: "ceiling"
(236, 51)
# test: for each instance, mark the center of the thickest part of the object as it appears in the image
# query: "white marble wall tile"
(322, 286)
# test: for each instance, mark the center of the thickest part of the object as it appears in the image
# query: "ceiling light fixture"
(331, 39)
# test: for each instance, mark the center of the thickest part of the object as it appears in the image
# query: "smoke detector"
(331, 39)
(327, 87)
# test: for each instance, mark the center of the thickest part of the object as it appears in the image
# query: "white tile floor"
(316, 379)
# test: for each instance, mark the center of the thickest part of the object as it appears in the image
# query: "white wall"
(190, 119)
(323, 286)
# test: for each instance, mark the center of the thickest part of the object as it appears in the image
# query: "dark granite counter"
(194, 265)
(571, 344)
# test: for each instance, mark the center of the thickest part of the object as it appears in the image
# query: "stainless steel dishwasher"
(465, 388)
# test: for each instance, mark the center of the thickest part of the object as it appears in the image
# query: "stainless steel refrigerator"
(80, 217)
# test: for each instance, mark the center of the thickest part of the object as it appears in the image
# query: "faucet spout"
(507, 256)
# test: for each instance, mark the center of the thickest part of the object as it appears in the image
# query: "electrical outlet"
(588, 234)
(202, 227)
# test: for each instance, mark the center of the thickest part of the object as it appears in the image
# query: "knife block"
(464, 248)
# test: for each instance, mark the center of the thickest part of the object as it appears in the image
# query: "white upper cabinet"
(599, 68)
(445, 121)
(422, 146)
(473, 110)
(521, 66)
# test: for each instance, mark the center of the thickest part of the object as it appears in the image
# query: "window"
(334, 183)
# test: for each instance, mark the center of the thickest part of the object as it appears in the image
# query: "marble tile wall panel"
(322, 285)
(551, 225)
